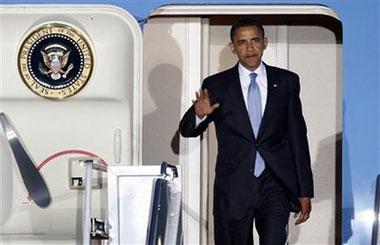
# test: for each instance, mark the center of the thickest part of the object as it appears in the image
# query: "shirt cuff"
(198, 120)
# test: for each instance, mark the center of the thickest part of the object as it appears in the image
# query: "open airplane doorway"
(192, 44)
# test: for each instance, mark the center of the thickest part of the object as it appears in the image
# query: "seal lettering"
(56, 60)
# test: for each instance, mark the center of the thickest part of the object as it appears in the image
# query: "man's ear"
(232, 48)
(265, 42)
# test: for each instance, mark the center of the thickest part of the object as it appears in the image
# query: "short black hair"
(243, 23)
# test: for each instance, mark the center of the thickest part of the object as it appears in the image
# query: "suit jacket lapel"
(235, 93)
(271, 95)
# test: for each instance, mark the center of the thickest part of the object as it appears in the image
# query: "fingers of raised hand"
(205, 94)
(201, 96)
(202, 103)
(197, 95)
(214, 106)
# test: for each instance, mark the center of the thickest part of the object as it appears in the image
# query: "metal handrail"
(375, 226)
(86, 217)
(31, 177)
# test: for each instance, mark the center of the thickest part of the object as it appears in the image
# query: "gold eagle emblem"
(55, 59)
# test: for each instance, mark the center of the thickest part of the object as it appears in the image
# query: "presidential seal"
(55, 60)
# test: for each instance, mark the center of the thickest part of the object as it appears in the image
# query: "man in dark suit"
(263, 163)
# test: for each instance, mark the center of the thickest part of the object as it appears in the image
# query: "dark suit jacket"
(281, 140)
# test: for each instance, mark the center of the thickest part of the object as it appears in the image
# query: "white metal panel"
(129, 200)
(317, 57)
(176, 53)
(103, 119)
(131, 192)
(242, 9)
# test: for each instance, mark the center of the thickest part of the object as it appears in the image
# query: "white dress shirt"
(245, 80)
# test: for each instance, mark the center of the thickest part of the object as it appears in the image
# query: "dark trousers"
(269, 209)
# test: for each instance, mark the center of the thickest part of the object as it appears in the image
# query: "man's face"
(248, 45)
